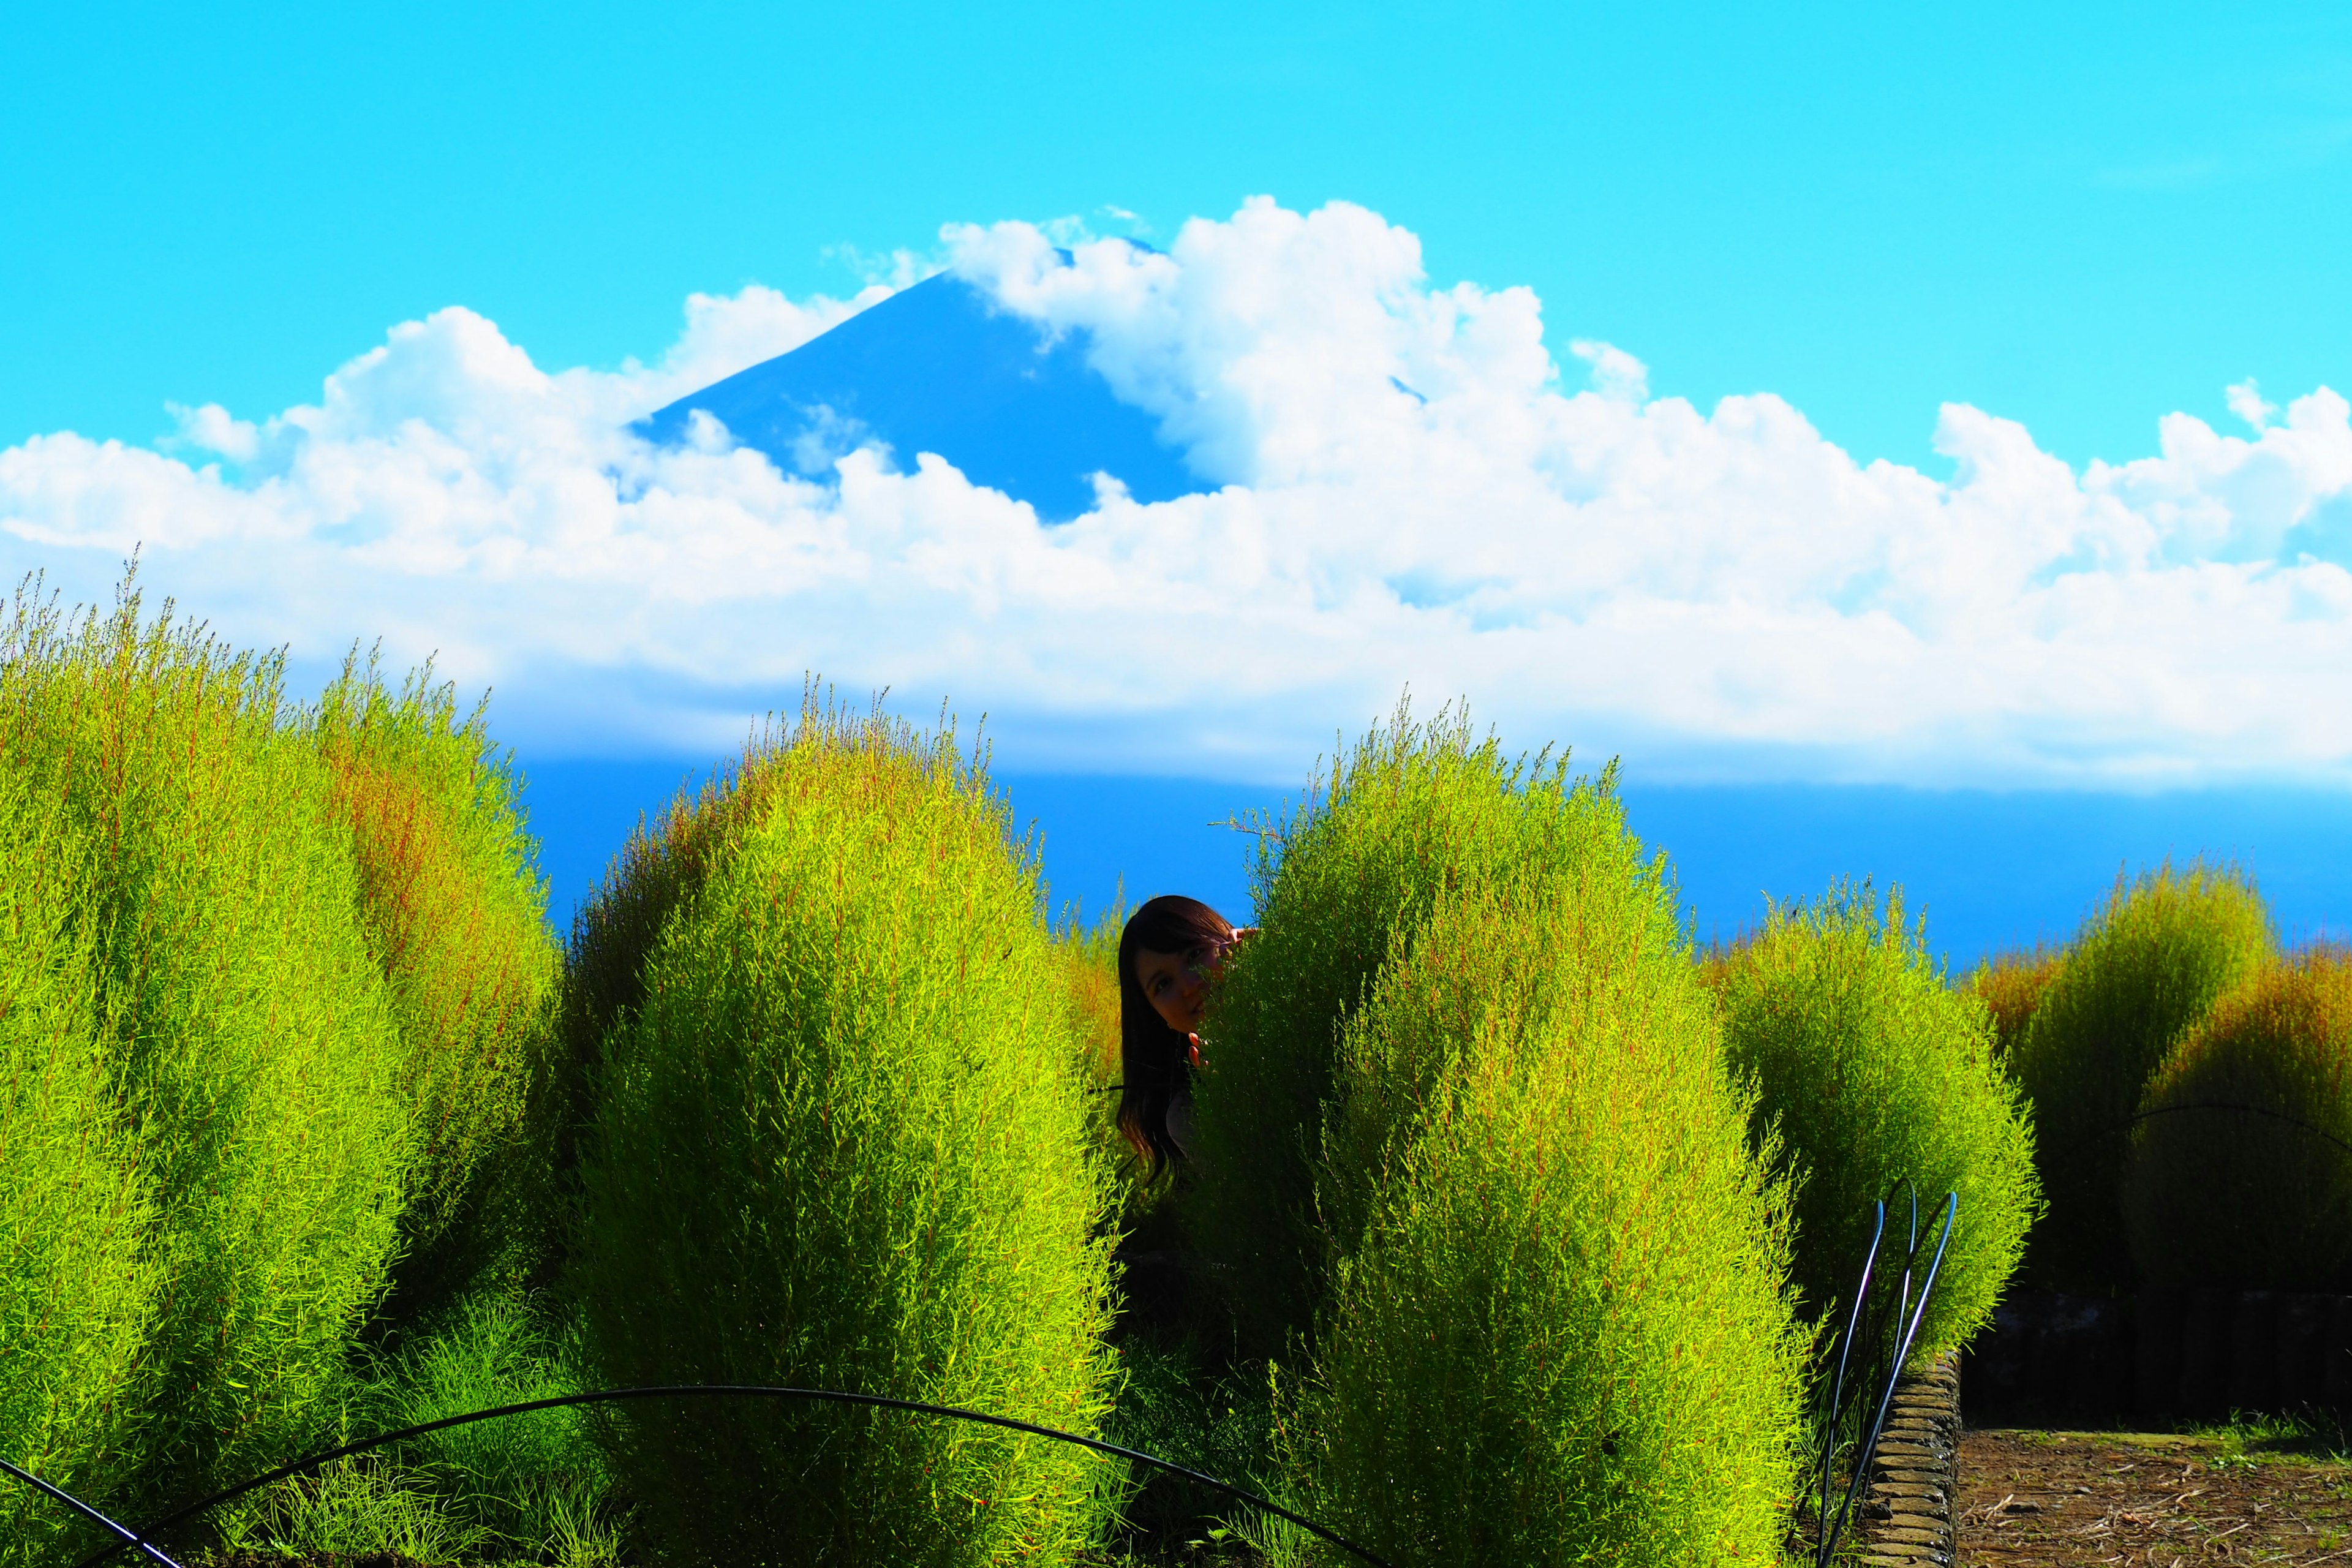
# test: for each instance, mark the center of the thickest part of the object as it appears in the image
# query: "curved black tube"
(738, 1391)
(2248, 1110)
(1869, 1446)
(130, 1537)
(1837, 1389)
(1867, 1326)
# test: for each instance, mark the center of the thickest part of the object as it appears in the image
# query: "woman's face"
(1177, 983)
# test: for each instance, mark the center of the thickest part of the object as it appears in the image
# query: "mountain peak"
(937, 367)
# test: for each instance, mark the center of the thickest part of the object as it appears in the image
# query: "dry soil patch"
(2034, 1498)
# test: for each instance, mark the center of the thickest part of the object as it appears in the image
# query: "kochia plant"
(1871, 1070)
(1561, 1335)
(456, 913)
(76, 1290)
(1411, 812)
(249, 1050)
(1545, 1273)
(2011, 985)
(2241, 1170)
(840, 1142)
(2147, 969)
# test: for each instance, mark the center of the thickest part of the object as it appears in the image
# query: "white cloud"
(1616, 374)
(2245, 400)
(1409, 494)
(213, 429)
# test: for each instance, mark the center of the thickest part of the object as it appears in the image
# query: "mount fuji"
(938, 368)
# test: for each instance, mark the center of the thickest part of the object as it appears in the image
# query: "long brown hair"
(1155, 1061)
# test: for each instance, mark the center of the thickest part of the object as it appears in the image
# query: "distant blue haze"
(1989, 870)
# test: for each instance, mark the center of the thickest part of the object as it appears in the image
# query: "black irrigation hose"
(1837, 1390)
(1869, 1326)
(130, 1536)
(1869, 1447)
(689, 1391)
(2249, 1110)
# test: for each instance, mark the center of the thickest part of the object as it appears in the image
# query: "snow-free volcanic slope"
(938, 368)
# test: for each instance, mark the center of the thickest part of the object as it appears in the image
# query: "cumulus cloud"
(2245, 400)
(1615, 373)
(1411, 488)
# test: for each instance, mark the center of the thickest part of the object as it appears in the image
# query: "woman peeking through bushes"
(1168, 952)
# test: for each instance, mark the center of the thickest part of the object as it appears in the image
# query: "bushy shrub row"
(275, 1008)
(1464, 1098)
(840, 1142)
(76, 1286)
(2190, 1091)
(1872, 1072)
(1543, 1276)
(2240, 1174)
(2147, 967)
(1527, 1208)
(2193, 1091)
(219, 1097)
(456, 913)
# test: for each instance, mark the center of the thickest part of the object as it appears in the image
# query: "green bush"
(840, 1143)
(2241, 1169)
(456, 913)
(1558, 1330)
(76, 1290)
(1411, 812)
(245, 1028)
(614, 935)
(2145, 969)
(2011, 985)
(1470, 1048)
(1871, 1070)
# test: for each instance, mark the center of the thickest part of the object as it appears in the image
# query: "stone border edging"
(1909, 1517)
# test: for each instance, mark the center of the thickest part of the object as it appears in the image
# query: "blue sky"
(2078, 217)
(1840, 398)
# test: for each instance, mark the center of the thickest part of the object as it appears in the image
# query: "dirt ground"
(2030, 1498)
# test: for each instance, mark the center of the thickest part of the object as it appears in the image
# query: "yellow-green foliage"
(614, 935)
(2145, 969)
(1872, 1071)
(250, 1052)
(2241, 1173)
(840, 1143)
(1409, 813)
(1090, 958)
(1715, 960)
(1092, 953)
(76, 1291)
(515, 1490)
(1556, 1329)
(456, 914)
(2011, 985)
